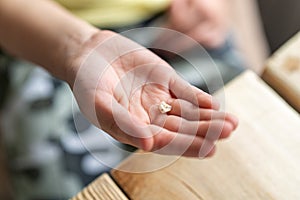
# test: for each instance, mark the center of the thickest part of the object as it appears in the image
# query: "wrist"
(74, 48)
(79, 52)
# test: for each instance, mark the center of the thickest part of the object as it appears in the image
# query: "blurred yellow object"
(115, 13)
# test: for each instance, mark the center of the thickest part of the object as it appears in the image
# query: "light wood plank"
(260, 161)
(102, 188)
(283, 72)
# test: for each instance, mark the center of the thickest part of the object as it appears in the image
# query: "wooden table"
(261, 160)
(103, 188)
(283, 72)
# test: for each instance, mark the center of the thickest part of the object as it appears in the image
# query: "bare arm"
(42, 32)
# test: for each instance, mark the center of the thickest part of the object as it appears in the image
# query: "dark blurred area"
(281, 20)
(48, 150)
(4, 81)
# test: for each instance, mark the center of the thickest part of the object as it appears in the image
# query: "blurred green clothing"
(115, 13)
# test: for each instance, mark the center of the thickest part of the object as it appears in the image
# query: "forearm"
(42, 32)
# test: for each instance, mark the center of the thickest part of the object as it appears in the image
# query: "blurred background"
(49, 151)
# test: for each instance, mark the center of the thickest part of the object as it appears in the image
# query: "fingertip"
(234, 121)
(227, 130)
(146, 144)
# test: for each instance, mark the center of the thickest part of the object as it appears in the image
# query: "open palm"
(119, 87)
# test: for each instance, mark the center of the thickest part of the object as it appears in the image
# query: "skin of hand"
(117, 83)
(206, 21)
(119, 87)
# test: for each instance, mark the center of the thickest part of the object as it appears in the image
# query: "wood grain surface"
(260, 161)
(102, 188)
(283, 72)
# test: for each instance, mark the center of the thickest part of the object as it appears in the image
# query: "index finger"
(183, 90)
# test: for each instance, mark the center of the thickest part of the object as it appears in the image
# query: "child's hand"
(119, 87)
